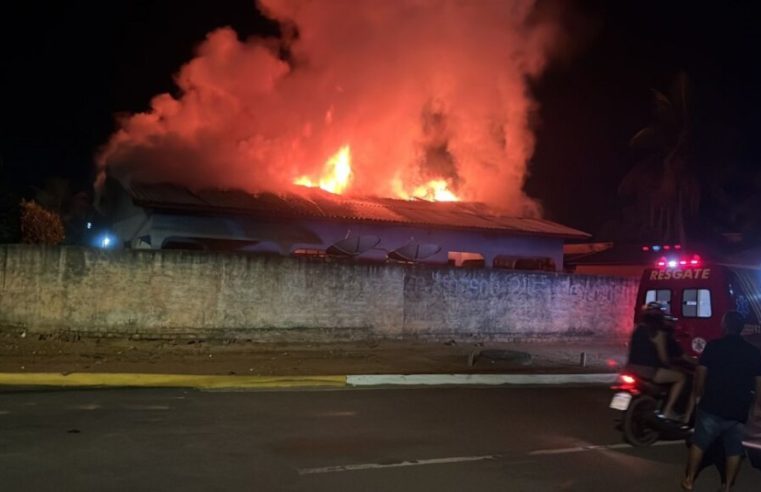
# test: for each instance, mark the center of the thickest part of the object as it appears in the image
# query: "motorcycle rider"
(676, 354)
(679, 360)
(649, 355)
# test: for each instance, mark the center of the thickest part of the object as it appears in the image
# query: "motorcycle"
(639, 402)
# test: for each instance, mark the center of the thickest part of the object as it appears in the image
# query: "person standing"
(729, 371)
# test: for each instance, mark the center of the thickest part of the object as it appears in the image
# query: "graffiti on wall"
(501, 303)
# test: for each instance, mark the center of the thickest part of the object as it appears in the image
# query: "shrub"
(40, 226)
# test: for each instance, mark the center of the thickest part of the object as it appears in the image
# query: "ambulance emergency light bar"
(694, 261)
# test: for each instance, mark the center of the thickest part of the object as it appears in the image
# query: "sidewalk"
(30, 354)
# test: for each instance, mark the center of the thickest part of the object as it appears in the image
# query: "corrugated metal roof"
(315, 203)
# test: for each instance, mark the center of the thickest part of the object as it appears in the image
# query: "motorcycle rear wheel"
(636, 427)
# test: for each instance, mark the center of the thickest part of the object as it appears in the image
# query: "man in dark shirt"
(729, 370)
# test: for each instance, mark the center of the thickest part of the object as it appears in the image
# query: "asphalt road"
(527, 439)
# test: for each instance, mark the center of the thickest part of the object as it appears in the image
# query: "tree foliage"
(39, 225)
(72, 206)
(663, 190)
(58, 196)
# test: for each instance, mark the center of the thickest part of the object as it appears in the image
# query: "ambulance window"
(696, 303)
(660, 295)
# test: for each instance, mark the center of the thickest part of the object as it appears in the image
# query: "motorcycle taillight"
(626, 379)
(626, 382)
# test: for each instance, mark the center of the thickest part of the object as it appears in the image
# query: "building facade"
(317, 224)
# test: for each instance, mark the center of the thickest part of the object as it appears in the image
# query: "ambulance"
(699, 292)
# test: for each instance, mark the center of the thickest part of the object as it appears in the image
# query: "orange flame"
(336, 173)
(435, 190)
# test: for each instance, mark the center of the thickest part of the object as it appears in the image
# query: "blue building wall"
(285, 236)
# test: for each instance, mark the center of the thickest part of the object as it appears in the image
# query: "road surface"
(432, 439)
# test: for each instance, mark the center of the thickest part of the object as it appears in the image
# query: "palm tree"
(666, 188)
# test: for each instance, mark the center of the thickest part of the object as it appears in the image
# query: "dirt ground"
(34, 353)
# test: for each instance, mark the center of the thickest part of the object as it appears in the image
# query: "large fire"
(337, 174)
(433, 97)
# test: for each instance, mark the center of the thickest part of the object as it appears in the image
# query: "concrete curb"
(82, 379)
(253, 382)
(478, 379)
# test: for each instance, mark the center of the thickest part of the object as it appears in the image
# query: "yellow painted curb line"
(167, 380)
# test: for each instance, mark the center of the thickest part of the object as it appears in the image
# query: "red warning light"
(645, 248)
(677, 246)
(666, 247)
(683, 261)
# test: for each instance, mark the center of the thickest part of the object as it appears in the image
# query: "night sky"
(70, 67)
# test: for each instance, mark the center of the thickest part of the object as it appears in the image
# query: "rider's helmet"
(652, 313)
(655, 307)
(656, 312)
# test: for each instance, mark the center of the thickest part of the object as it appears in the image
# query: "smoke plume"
(419, 90)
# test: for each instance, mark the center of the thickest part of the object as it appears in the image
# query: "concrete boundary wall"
(167, 294)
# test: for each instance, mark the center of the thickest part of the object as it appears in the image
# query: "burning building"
(319, 224)
(375, 130)
(399, 99)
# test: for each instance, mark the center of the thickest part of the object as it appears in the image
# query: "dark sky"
(69, 67)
